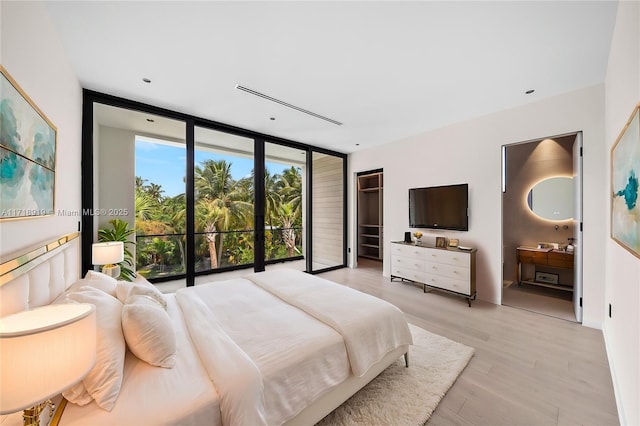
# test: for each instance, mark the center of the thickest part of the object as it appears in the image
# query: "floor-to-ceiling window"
(224, 200)
(160, 207)
(139, 165)
(204, 197)
(328, 211)
(285, 204)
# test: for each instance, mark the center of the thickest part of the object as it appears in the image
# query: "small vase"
(418, 241)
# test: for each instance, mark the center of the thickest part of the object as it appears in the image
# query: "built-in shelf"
(370, 223)
(553, 286)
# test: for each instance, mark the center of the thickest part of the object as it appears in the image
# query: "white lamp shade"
(44, 351)
(107, 253)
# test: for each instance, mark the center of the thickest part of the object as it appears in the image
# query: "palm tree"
(145, 206)
(177, 225)
(220, 205)
(287, 216)
(290, 188)
(272, 196)
(140, 182)
(155, 191)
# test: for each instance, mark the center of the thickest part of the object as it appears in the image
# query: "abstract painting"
(27, 154)
(625, 173)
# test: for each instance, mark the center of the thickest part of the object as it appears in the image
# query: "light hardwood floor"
(528, 369)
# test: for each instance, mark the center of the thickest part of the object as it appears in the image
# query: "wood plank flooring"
(528, 369)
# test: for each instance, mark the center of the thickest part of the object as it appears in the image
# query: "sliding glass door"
(223, 200)
(328, 227)
(284, 205)
(160, 205)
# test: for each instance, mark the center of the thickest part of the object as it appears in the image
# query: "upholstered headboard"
(37, 276)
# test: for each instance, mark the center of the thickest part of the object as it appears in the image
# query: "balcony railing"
(164, 255)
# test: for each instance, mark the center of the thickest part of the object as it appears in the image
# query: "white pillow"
(105, 379)
(125, 289)
(93, 279)
(148, 331)
(102, 282)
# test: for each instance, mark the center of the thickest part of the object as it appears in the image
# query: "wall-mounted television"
(440, 207)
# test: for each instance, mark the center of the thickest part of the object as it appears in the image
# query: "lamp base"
(111, 270)
(31, 416)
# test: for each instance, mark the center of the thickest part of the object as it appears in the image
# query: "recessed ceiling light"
(146, 80)
(151, 120)
(528, 92)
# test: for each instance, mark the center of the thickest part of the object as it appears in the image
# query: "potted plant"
(120, 232)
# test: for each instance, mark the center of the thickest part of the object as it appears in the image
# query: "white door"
(577, 179)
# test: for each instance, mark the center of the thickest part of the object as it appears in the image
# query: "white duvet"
(319, 337)
(246, 357)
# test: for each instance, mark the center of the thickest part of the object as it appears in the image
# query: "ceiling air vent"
(288, 105)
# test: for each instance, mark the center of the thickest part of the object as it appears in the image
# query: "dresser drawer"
(407, 263)
(408, 274)
(450, 271)
(459, 286)
(416, 252)
(448, 257)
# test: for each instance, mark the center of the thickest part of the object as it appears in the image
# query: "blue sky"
(165, 165)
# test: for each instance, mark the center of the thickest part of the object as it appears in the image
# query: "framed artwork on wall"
(625, 174)
(27, 154)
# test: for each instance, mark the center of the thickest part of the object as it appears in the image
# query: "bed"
(276, 347)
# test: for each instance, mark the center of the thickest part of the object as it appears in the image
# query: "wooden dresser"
(448, 269)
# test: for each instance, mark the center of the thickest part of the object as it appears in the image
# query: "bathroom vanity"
(545, 267)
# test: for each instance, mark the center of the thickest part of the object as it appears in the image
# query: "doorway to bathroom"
(541, 226)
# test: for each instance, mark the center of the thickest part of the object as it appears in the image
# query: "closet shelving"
(370, 223)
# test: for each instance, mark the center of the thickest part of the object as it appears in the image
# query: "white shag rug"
(403, 396)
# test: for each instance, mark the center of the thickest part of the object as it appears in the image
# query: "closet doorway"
(370, 218)
(541, 226)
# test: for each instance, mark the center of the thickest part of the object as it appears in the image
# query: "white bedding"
(299, 360)
(150, 395)
(245, 357)
(371, 327)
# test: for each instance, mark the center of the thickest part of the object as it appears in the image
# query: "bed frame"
(38, 275)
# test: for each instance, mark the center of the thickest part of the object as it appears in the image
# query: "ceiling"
(386, 70)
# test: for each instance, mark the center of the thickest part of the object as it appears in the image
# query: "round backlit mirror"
(552, 198)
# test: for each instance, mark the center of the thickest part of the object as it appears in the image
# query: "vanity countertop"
(544, 250)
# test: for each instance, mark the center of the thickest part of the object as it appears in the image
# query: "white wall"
(622, 330)
(115, 165)
(33, 55)
(471, 152)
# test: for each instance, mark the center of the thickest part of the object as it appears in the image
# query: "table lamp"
(108, 254)
(44, 351)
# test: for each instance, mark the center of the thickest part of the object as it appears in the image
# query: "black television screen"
(439, 207)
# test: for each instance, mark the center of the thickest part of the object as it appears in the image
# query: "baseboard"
(614, 378)
(592, 324)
